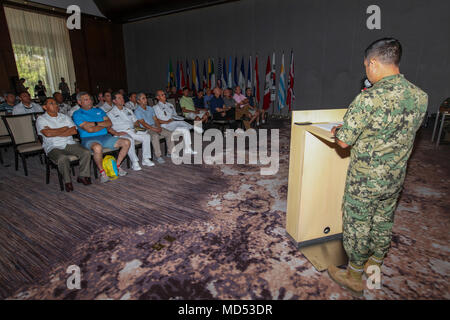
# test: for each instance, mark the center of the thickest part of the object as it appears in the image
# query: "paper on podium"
(328, 126)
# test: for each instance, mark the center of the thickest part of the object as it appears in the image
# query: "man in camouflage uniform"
(380, 125)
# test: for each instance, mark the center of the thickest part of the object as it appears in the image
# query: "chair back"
(3, 129)
(21, 128)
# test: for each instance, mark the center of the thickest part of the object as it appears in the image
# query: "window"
(41, 48)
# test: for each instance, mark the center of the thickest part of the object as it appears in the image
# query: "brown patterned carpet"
(241, 251)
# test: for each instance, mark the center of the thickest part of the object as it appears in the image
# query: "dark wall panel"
(8, 67)
(328, 38)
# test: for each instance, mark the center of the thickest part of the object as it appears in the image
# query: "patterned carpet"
(242, 251)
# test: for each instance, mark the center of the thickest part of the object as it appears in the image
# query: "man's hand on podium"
(339, 142)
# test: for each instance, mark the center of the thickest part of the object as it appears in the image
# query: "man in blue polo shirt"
(93, 125)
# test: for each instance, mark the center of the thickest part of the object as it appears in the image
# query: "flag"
(188, 76)
(282, 86)
(178, 76)
(256, 88)
(213, 75)
(236, 82)
(249, 74)
(205, 84)
(197, 76)
(224, 75)
(230, 77)
(219, 73)
(273, 87)
(290, 87)
(183, 79)
(195, 86)
(242, 75)
(170, 75)
(267, 86)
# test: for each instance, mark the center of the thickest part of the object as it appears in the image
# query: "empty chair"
(24, 138)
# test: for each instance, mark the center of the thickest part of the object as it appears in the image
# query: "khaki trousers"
(166, 134)
(61, 158)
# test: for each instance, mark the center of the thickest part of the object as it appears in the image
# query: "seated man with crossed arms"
(93, 124)
(56, 130)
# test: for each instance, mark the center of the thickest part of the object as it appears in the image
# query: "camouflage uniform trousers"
(367, 226)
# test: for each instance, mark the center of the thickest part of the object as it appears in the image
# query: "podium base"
(325, 254)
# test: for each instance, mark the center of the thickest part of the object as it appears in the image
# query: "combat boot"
(373, 261)
(348, 279)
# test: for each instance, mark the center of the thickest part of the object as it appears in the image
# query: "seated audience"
(166, 115)
(123, 123)
(10, 102)
(218, 108)
(189, 110)
(252, 106)
(56, 130)
(132, 103)
(72, 110)
(124, 94)
(107, 104)
(207, 98)
(242, 107)
(101, 100)
(147, 120)
(93, 124)
(26, 105)
(64, 108)
(199, 101)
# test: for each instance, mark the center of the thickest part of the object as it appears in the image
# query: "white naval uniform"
(74, 108)
(22, 109)
(165, 112)
(131, 105)
(64, 108)
(106, 107)
(123, 121)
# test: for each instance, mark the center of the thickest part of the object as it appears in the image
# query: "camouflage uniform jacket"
(381, 124)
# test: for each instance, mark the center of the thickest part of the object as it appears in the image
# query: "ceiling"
(133, 10)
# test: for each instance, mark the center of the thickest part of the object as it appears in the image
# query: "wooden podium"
(317, 173)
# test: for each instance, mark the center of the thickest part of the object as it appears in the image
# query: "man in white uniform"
(132, 104)
(108, 104)
(26, 106)
(168, 118)
(56, 130)
(123, 123)
(64, 108)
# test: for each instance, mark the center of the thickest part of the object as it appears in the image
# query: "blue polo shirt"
(91, 115)
(215, 103)
(206, 100)
(146, 115)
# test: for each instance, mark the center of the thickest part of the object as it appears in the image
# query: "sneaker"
(103, 177)
(160, 160)
(148, 163)
(168, 155)
(122, 172)
(136, 166)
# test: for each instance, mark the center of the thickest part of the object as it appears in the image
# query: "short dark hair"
(387, 50)
(46, 100)
(55, 93)
(131, 93)
(185, 88)
(114, 95)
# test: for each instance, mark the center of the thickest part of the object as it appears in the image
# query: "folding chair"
(24, 138)
(5, 139)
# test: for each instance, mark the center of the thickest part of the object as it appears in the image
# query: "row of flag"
(189, 76)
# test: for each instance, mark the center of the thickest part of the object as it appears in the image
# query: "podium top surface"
(320, 132)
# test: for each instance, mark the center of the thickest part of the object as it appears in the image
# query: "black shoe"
(69, 187)
(84, 180)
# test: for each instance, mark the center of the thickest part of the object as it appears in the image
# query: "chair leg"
(47, 171)
(128, 162)
(16, 159)
(24, 162)
(94, 167)
(1, 157)
(40, 159)
(73, 171)
(60, 179)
